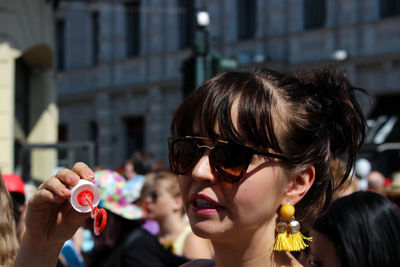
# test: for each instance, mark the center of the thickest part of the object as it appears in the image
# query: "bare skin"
(50, 219)
(167, 211)
(242, 226)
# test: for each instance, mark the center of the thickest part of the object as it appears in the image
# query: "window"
(62, 137)
(246, 13)
(60, 43)
(314, 12)
(384, 131)
(94, 137)
(62, 132)
(185, 23)
(95, 38)
(22, 95)
(132, 20)
(134, 129)
(389, 8)
(22, 107)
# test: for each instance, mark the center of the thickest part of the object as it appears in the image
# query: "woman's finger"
(44, 195)
(67, 177)
(83, 171)
(56, 187)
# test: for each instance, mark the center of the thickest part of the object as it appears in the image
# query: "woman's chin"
(207, 229)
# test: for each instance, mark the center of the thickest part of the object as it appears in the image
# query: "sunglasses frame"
(217, 171)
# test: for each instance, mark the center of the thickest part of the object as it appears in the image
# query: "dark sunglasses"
(228, 160)
(153, 195)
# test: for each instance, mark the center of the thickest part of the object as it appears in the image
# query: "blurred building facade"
(28, 110)
(119, 79)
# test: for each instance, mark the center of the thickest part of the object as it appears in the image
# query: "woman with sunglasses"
(244, 144)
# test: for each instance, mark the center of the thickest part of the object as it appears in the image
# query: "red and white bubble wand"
(85, 196)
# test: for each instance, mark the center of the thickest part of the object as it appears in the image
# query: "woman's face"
(322, 252)
(219, 209)
(159, 203)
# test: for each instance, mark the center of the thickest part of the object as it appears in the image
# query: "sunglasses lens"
(183, 155)
(154, 196)
(230, 161)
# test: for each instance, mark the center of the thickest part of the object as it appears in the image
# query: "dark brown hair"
(364, 229)
(311, 117)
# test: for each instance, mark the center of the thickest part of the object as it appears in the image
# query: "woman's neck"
(253, 255)
(251, 249)
(266, 258)
(170, 227)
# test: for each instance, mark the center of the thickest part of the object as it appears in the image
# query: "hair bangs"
(205, 112)
(214, 116)
(208, 111)
(255, 115)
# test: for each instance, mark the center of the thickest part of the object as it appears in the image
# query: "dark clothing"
(139, 248)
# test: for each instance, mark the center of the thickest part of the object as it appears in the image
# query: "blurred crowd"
(147, 225)
(361, 227)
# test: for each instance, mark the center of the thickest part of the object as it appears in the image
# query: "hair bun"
(331, 96)
(330, 89)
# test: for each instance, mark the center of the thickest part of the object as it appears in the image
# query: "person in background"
(134, 179)
(16, 187)
(123, 241)
(392, 192)
(150, 225)
(163, 203)
(359, 230)
(253, 150)
(71, 252)
(8, 234)
(376, 181)
(349, 186)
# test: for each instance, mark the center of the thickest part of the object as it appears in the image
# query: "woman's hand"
(50, 219)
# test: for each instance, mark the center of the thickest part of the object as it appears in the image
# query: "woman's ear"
(299, 185)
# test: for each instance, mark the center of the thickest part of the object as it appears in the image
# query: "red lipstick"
(203, 204)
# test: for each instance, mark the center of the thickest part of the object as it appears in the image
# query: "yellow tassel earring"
(289, 237)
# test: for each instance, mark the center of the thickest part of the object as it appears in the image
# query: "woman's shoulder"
(199, 263)
(284, 258)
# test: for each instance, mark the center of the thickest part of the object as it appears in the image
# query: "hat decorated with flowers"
(112, 198)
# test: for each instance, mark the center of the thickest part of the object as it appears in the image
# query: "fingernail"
(90, 175)
(65, 191)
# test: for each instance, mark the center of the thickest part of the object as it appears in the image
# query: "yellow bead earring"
(289, 237)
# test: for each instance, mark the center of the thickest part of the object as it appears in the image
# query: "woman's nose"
(202, 170)
(146, 200)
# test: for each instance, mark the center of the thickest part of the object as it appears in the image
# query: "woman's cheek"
(184, 185)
